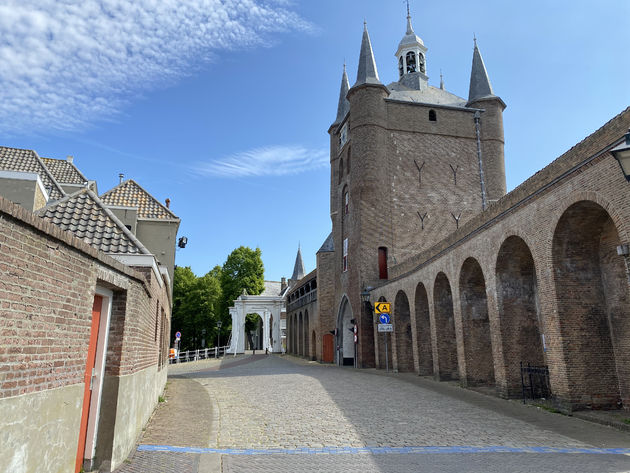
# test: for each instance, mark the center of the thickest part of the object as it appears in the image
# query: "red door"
(87, 378)
(328, 351)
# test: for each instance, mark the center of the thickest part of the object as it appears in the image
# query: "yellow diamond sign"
(382, 308)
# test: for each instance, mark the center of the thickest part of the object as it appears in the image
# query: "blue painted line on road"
(383, 450)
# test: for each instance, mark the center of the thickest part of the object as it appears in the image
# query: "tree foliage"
(196, 307)
(243, 269)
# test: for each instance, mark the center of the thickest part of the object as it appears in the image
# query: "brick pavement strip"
(276, 402)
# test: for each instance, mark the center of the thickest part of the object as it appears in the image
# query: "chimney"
(70, 159)
(168, 203)
(121, 178)
(283, 284)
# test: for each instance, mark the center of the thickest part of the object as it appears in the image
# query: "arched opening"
(254, 331)
(592, 298)
(401, 67)
(432, 116)
(300, 335)
(384, 342)
(476, 325)
(411, 62)
(270, 334)
(517, 297)
(345, 334)
(445, 329)
(313, 346)
(307, 348)
(402, 326)
(423, 332)
(421, 63)
(290, 334)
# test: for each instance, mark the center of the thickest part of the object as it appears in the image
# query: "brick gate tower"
(410, 163)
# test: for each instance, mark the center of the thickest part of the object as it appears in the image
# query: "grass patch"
(161, 399)
(626, 421)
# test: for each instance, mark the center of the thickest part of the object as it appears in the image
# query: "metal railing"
(302, 301)
(201, 354)
(535, 382)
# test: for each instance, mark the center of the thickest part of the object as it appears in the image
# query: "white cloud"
(65, 63)
(266, 161)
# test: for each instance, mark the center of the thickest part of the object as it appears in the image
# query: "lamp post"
(622, 155)
(219, 323)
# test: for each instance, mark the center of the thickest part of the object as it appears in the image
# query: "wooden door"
(87, 378)
(328, 351)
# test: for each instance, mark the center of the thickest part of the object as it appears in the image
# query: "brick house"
(85, 306)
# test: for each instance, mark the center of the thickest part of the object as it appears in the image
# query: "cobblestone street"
(276, 414)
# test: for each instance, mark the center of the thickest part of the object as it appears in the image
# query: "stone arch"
(445, 328)
(307, 330)
(300, 335)
(423, 332)
(519, 314)
(313, 345)
(384, 362)
(345, 338)
(402, 327)
(476, 325)
(593, 302)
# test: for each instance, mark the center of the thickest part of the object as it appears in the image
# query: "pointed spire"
(479, 80)
(298, 269)
(344, 106)
(367, 73)
(409, 27)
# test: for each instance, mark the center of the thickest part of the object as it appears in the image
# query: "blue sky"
(224, 106)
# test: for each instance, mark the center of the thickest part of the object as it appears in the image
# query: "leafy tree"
(196, 307)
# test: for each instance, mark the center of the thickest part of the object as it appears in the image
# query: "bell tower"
(412, 59)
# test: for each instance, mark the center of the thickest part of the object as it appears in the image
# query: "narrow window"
(346, 201)
(382, 262)
(421, 62)
(411, 62)
(340, 169)
(432, 116)
(401, 67)
(345, 255)
(348, 160)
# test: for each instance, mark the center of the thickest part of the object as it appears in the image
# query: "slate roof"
(298, 268)
(64, 171)
(131, 194)
(26, 160)
(85, 215)
(272, 288)
(366, 72)
(431, 95)
(328, 245)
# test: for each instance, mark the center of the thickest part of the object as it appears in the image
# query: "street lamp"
(622, 155)
(365, 295)
(219, 323)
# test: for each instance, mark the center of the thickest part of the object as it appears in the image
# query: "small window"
(401, 67)
(382, 262)
(345, 255)
(340, 169)
(421, 62)
(411, 62)
(432, 116)
(346, 201)
(348, 160)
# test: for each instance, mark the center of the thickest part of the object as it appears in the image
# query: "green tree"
(196, 307)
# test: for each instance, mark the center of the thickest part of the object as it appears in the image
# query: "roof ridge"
(124, 183)
(52, 178)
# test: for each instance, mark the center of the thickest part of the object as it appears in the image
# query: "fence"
(535, 382)
(201, 354)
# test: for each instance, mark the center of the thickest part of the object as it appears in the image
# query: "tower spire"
(409, 27)
(367, 72)
(298, 269)
(479, 80)
(344, 105)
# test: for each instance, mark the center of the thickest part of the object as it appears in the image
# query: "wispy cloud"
(266, 161)
(66, 63)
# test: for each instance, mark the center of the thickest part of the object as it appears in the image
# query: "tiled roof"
(26, 160)
(131, 194)
(85, 215)
(64, 171)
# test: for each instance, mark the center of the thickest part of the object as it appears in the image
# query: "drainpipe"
(484, 199)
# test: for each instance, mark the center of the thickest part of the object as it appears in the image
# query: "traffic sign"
(384, 318)
(382, 308)
(178, 335)
(385, 327)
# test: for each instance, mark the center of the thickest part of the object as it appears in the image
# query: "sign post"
(383, 309)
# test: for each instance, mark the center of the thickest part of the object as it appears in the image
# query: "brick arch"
(445, 328)
(423, 331)
(345, 339)
(475, 325)
(307, 347)
(300, 335)
(313, 345)
(517, 299)
(593, 306)
(402, 327)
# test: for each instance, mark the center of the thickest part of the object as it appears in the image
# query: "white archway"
(269, 309)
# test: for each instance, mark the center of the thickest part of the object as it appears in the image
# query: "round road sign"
(178, 335)
(384, 318)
